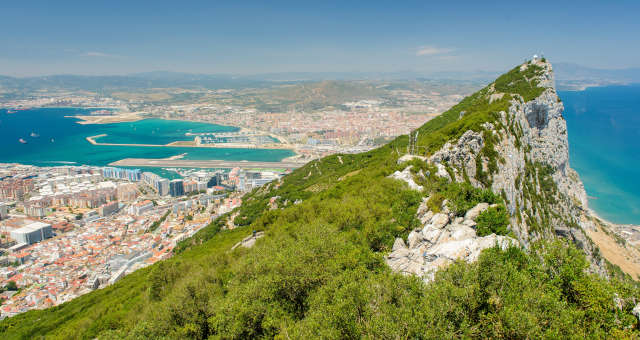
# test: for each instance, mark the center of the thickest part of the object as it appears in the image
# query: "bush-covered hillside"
(319, 271)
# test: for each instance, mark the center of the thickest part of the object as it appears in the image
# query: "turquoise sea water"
(71, 147)
(604, 145)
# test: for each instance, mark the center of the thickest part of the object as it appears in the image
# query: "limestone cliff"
(523, 155)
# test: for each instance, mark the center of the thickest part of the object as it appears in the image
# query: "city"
(68, 230)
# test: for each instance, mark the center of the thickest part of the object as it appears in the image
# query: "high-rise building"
(132, 175)
(163, 187)
(160, 184)
(176, 187)
(4, 211)
(32, 233)
(127, 192)
(108, 208)
(141, 207)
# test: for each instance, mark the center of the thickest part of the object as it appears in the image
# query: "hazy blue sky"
(117, 37)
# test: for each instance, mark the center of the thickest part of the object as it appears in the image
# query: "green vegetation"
(494, 220)
(11, 285)
(523, 83)
(540, 193)
(470, 114)
(435, 202)
(157, 223)
(319, 272)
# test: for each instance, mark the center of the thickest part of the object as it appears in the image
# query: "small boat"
(34, 135)
(22, 141)
(11, 111)
(52, 140)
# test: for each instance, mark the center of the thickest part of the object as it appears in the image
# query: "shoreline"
(593, 213)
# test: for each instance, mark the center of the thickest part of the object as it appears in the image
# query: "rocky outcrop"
(406, 176)
(441, 241)
(463, 152)
(636, 311)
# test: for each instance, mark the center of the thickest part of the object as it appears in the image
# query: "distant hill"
(134, 81)
(571, 76)
(567, 74)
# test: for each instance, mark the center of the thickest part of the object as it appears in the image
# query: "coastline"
(594, 214)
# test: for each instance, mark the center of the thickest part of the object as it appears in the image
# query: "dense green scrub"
(319, 272)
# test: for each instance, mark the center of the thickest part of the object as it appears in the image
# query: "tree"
(11, 285)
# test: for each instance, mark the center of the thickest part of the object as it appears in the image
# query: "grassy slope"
(320, 272)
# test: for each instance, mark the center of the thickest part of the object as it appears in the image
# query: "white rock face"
(461, 153)
(439, 220)
(406, 176)
(439, 244)
(636, 311)
(442, 171)
(475, 211)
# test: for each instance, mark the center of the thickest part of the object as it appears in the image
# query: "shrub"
(494, 220)
(435, 202)
(463, 196)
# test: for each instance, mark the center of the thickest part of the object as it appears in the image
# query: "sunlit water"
(604, 143)
(62, 141)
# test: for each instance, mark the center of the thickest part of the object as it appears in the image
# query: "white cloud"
(99, 55)
(432, 50)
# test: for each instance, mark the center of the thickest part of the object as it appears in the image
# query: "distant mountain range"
(568, 71)
(567, 75)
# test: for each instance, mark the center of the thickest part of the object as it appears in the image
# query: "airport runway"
(184, 163)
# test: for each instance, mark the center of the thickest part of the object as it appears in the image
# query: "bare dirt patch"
(626, 257)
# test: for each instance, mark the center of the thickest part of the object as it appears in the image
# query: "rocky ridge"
(530, 170)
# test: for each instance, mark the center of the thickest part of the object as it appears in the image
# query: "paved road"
(182, 144)
(184, 163)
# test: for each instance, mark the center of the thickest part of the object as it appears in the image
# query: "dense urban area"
(68, 230)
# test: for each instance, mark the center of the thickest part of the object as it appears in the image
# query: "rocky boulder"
(473, 213)
(440, 243)
(406, 176)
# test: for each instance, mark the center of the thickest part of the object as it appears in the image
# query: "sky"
(246, 37)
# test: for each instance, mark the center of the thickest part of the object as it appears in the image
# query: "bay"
(61, 140)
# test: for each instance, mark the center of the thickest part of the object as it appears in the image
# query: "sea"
(53, 139)
(604, 148)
